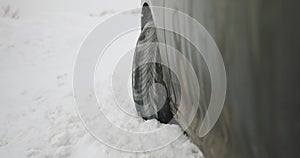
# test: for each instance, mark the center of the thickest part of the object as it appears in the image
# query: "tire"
(150, 93)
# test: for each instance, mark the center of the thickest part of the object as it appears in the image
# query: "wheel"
(150, 93)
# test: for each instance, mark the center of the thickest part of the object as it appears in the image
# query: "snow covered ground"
(37, 115)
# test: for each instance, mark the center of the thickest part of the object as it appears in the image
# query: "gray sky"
(29, 8)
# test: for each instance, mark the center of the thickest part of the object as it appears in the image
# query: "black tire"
(151, 101)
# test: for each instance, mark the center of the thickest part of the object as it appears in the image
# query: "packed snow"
(37, 114)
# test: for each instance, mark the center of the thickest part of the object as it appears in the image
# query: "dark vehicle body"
(259, 41)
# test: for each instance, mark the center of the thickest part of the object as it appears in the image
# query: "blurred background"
(31, 8)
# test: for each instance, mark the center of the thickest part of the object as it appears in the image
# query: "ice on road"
(37, 115)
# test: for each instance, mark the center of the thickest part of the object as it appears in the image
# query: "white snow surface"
(37, 114)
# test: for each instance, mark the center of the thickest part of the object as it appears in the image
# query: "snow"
(31, 8)
(37, 114)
